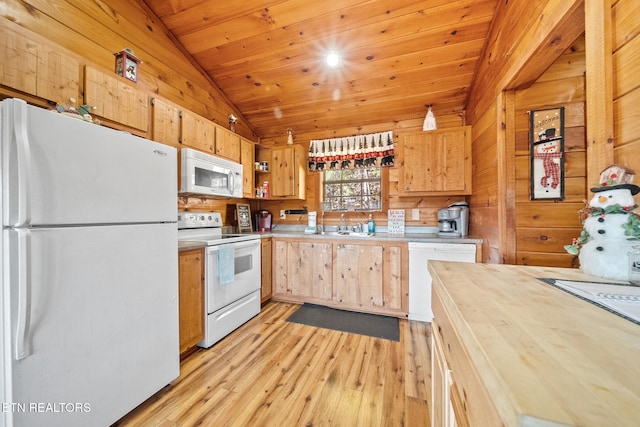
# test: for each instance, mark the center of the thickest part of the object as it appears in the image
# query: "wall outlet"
(415, 213)
(283, 215)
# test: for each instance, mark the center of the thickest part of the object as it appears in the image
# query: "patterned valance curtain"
(349, 152)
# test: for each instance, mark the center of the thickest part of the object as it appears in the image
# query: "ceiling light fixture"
(332, 59)
(289, 136)
(429, 121)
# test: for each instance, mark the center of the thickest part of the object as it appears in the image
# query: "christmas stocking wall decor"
(611, 227)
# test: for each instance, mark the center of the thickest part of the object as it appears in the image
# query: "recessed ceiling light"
(333, 59)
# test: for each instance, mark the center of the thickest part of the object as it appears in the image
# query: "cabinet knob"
(72, 100)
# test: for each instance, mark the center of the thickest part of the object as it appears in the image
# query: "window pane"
(358, 189)
(332, 175)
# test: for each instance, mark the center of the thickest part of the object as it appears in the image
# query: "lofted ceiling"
(397, 57)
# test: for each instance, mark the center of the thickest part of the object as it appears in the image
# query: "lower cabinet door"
(191, 298)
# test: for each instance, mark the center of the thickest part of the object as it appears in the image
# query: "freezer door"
(100, 330)
(60, 170)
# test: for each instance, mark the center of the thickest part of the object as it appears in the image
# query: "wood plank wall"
(515, 57)
(626, 86)
(484, 203)
(543, 227)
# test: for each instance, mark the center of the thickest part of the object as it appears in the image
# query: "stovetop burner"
(207, 227)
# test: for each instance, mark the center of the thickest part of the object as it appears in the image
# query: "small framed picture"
(243, 218)
(127, 64)
(546, 140)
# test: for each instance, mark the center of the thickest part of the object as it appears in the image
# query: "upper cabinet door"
(247, 158)
(58, 77)
(436, 162)
(198, 132)
(166, 122)
(288, 172)
(31, 67)
(227, 144)
(112, 98)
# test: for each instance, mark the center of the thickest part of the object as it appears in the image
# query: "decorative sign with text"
(395, 221)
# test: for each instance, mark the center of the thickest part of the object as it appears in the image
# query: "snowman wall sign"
(611, 227)
(546, 133)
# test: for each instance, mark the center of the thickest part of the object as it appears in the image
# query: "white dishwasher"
(420, 279)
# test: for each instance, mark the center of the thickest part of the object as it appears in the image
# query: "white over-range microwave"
(202, 173)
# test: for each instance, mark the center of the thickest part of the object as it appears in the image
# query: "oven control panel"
(199, 220)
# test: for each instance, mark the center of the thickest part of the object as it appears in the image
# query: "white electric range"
(231, 273)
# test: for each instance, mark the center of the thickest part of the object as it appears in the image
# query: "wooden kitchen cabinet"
(227, 144)
(302, 271)
(204, 135)
(191, 297)
(247, 159)
(459, 398)
(367, 276)
(523, 352)
(198, 133)
(444, 392)
(288, 172)
(166, 126)
(31, 67)
(265, 259)
(166, 122)
(436, 162)
(371, 277)
(114, 98)
(357, 277)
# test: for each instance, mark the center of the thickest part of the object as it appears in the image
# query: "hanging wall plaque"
(546, 140)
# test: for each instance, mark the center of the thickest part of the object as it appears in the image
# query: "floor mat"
(372, 325)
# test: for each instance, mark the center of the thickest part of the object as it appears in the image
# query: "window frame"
(384, 178)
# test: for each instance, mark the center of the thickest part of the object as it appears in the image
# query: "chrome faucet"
(343, 223)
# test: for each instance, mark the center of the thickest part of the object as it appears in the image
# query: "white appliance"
(89, 318)
(419, 278)
(202, 173)
(232, 273)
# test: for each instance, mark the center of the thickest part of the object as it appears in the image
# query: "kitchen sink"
(349, 233)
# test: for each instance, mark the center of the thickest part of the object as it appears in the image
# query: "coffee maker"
(453, 221)
(263, 220)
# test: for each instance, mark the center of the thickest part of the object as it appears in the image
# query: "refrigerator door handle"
(24, 293)
(20, 115)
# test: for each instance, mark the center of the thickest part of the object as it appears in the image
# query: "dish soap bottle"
(371, 225)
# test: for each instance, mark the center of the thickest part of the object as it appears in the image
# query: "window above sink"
(353, 189)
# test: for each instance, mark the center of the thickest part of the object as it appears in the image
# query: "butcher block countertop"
(545, 357)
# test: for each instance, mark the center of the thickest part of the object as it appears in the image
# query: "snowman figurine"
(611, 228)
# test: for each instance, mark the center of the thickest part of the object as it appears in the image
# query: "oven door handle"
(237, 245)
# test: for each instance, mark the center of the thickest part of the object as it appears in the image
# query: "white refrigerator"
(89, 301)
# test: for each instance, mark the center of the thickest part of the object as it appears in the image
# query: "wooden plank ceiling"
(397, 57)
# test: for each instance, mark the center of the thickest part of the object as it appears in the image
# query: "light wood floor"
(271, 372)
